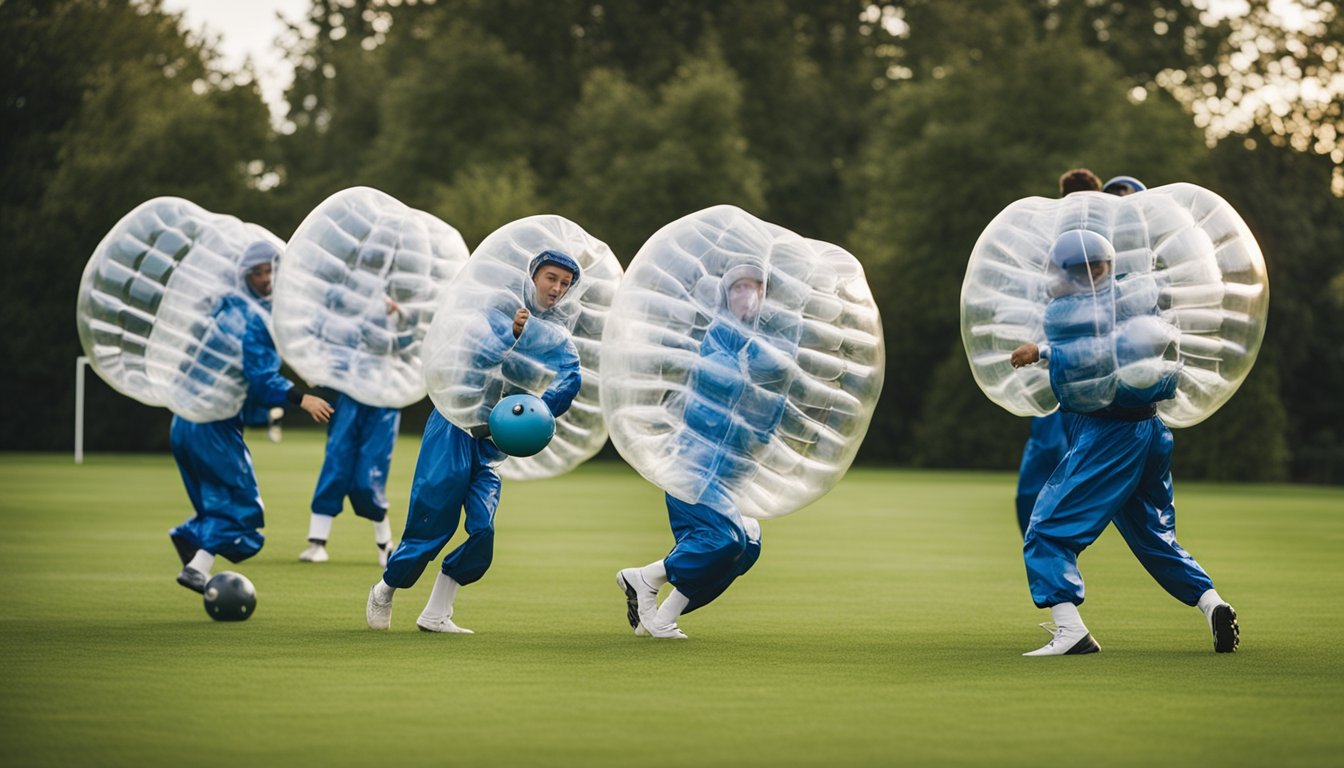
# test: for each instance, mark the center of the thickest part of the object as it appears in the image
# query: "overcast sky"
(247, 28)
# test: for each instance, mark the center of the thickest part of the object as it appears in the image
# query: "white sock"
(382, 591)
(441, 598)
(1210, 600)
(382, 533)
(654, 574)
(319, 527)
(671, 609)
(203, 562)
(1066, 615)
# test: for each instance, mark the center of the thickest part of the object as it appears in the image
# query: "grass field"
(882, 626)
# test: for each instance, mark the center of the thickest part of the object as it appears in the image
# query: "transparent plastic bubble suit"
(1191, 298)
(147, 301)
(356, 252)
(742, 363)
(484, 297)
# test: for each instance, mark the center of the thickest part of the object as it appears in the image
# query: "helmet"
(1123, 185)
(230, 596)
(521, 425)
(1080, 246)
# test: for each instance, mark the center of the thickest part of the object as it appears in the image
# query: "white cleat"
(444, 624)
(377, 612)
(669, 632)
(384, 552)
(641, 600)
(315, 553)
(1066, 641)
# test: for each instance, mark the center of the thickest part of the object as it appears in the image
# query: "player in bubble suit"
(714, 543)
(360, 441)
(1118, 467)
(456, 469)
(1047, 442)
(215, 463)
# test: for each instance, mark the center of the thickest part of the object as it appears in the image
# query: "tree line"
(897, 131)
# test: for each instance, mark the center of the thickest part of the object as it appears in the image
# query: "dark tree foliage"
(106, 104)
(897, 130)
(1302, 236)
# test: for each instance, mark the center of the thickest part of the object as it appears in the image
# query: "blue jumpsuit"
(456, 471)
(1117, 469)
(728, 417)
(360, 440)
(1044, 450)
(214, 461)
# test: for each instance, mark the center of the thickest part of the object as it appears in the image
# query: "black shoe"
(192, 579)
(1087, 645)
(631, 601)
(1226, 633)
(185, 549)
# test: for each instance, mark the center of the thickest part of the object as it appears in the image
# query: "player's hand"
(1025, 355)
(520, 320)
(316, 407)
(392, 306)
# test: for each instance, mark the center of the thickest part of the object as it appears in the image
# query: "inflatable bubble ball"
(521, 425)
(230, 596)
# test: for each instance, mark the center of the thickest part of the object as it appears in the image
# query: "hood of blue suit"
(567, 309)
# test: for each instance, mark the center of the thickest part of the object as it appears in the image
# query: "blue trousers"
(453, 472)
(712, 550)
(360, 440)
(1115, 471)
(1044, 450)
(217, 471)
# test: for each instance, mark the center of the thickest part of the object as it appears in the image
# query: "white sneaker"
(315, 553)
(669, 632)
(641, 600)
(384, 552)
(1066, 641)
(444, 624)
(377, 612)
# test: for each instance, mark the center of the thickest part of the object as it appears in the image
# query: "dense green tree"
(465, 102)
(483, 197)
(951, 150)
(657, 157)
(107, 104)
(1279, 191)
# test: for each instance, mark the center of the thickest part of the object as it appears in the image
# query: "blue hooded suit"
(1118, 466)
(456, 471)
(215, 463)
(736, 399)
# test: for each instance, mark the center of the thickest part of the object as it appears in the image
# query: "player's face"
(552, 284)
(1099, 270)
(1082, 278)
(744, 299)
(259, 279)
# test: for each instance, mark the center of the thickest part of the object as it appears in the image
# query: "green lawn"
(882, 626)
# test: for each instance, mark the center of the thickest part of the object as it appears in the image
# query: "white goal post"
(81, 363)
